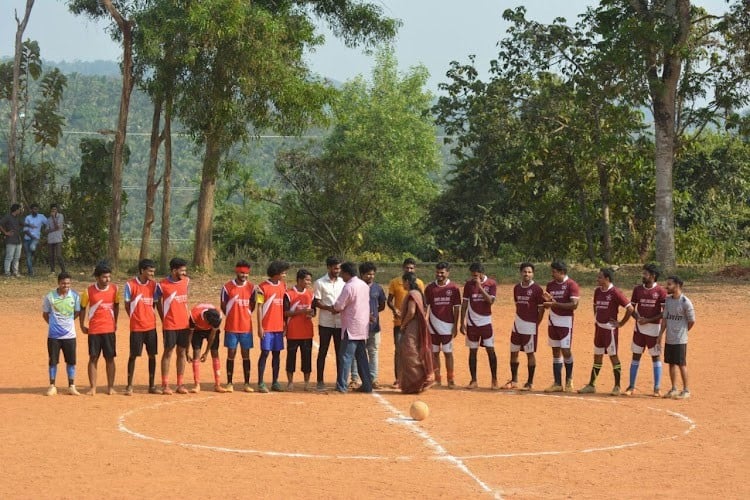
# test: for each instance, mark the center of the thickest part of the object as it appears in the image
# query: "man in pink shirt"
(354, 306)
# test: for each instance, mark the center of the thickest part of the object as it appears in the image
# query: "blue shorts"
(245, 340)
(272, 341)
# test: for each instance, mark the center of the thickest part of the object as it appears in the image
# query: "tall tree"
(671, 55)
(124, 33)
(242, 71)
(18, 54)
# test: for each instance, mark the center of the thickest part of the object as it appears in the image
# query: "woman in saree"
(416, 372)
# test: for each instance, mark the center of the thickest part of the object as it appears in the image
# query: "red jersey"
(479, 310)
(527, 298)
(140, 296)
(299, 327)
(174, 297)
(197, 321)
(101, 308)
(272, 307)
(562, 292)
(441, 300)
(649, 302)
(607, 303)
(239, 302)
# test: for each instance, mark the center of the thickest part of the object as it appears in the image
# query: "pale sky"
(434, 32)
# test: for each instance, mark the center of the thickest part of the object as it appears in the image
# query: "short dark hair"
(144, 264)
(242, 263)
(332, 261)
(366, 267)
(34, 205)
(559, 265)
(15, 207)
(524, 265)
(676, 280)
(277, 267)
(303, 273)
(65, 275)
(212, 317)
(53, 205)
(476, 267)
(102, 268)
(608, 273)
(409, 261)
(653, 270)
(349, 268)
(177, 263)
(442, 265)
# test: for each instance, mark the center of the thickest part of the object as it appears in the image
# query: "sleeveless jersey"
(299, 327)
(272, 307)
(101, 308)
(196, 317)
(141, 299)
(174, 297)
(238, 300)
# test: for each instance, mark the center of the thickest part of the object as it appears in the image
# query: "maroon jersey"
(607, 303)
(479, 311)
(527, 298)
(649, 302)
(562, 292)
(442, 300)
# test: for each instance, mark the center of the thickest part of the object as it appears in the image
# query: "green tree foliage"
(370, 184)
(40, 124)
(241, 64)
(91, 200)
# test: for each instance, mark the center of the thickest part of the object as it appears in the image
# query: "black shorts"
(675, 354)
(137, 339)
(68, 347)
(200, 335)
(305, 351)
(176, 338)
(103, 343)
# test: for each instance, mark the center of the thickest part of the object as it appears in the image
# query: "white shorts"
(488, 342)
(446, 348)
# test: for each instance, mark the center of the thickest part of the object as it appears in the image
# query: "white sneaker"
(73, 391)
(52, 390)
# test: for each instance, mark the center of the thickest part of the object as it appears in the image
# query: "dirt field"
(309, 445)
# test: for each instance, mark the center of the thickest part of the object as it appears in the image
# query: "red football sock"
(217, 370)
(197, 371)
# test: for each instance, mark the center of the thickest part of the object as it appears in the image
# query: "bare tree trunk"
(604, 195)
(166, 204)
(126, 28)
(21, 27)
(151, 184)
(203, 255)
(664, 208)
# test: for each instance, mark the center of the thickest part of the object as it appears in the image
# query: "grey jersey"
(678, 313)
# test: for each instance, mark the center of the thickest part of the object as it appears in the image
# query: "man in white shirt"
(326, 291)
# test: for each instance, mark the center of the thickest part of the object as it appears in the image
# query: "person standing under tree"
(172, 304)
(238, 304)
(299, 312)
(529, 300)
(60, 309)
(32, 233)
(11, 229)
(139, 304)
(678, 319)
(102, 300)
(476, 320)
(55, 228)
(607, 302)
(561, 298)
(648, 301)
(271, 324)
(443, 302)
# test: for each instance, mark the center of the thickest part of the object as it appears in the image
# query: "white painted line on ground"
(440, 452)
